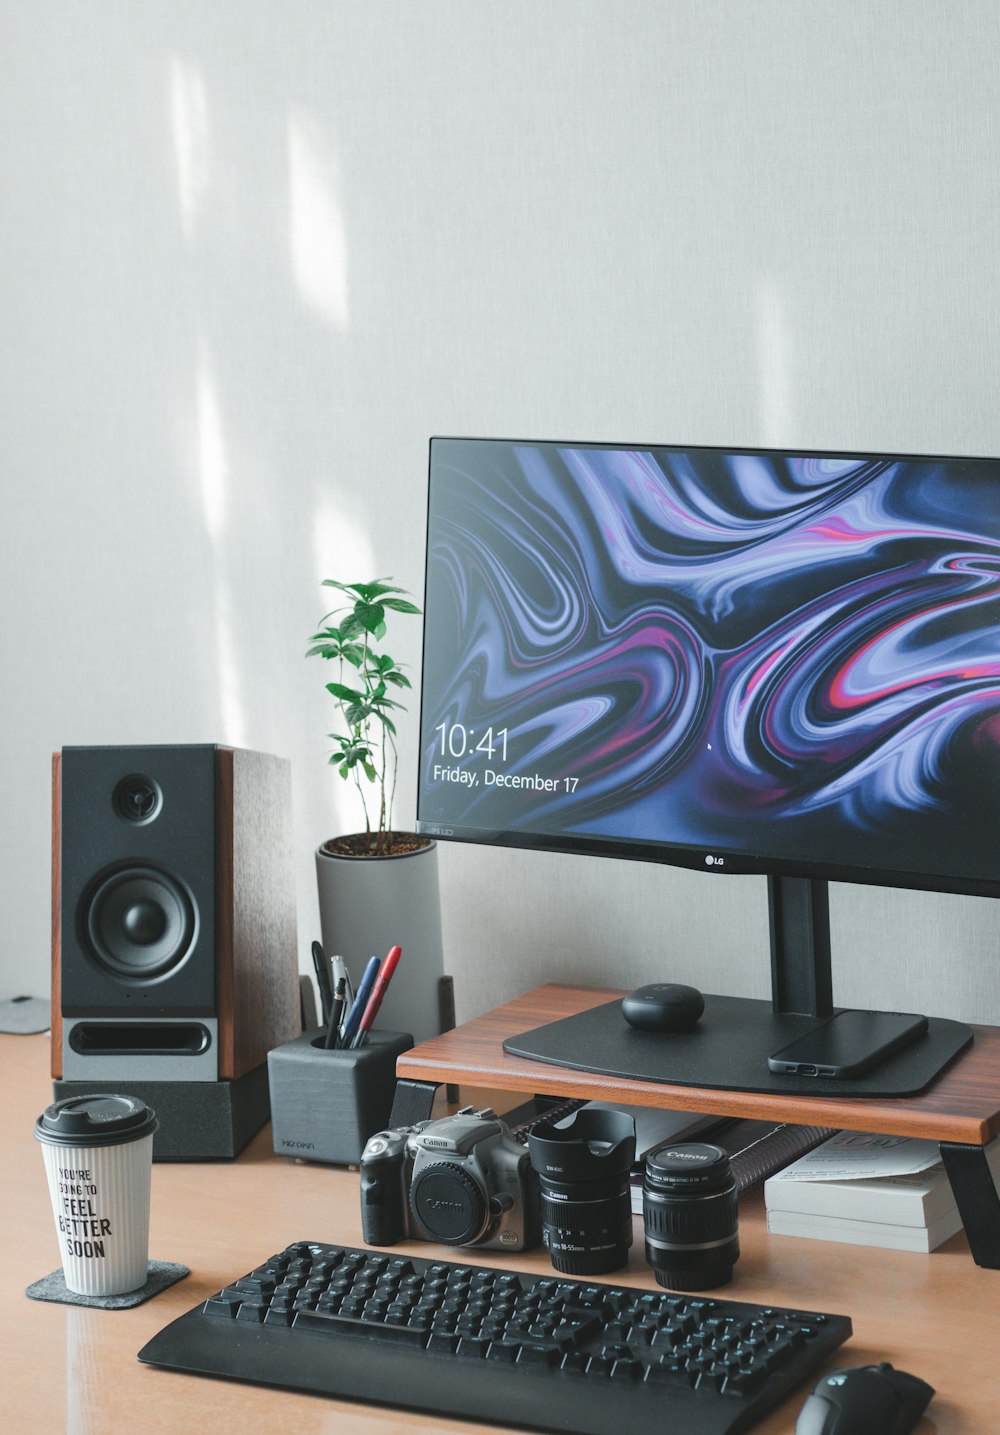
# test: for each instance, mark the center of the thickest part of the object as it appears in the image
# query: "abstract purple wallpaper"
(775, 656)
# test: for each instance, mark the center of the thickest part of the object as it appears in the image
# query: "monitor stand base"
(728, 1050)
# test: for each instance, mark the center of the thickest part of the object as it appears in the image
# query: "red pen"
(385, 971)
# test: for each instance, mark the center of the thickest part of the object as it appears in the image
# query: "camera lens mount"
(449, 1203)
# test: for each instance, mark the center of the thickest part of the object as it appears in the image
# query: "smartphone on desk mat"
(848, 1045)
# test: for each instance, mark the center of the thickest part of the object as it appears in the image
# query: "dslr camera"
(462, 1180)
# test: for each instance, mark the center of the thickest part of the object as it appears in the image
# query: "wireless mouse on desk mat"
(864, 1400)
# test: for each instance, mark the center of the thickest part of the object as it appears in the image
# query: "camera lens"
(691, 1216)
(583, 1170)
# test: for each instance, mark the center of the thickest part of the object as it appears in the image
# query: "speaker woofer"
(139, 922)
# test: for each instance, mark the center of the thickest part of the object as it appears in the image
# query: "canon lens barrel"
(691, 1217)
(583, 1177)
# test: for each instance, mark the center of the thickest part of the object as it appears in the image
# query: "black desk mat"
(728, 1051)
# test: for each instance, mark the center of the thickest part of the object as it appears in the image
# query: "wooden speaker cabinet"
(174, 959)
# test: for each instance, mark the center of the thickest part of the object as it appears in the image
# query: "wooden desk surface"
(69, 1371)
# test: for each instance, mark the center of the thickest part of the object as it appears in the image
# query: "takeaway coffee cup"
(98, 1154)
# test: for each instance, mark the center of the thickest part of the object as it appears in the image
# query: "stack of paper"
(868, 1190)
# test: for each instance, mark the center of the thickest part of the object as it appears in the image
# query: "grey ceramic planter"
(367, 905)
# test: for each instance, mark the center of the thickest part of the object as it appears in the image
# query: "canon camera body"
(462, 1180)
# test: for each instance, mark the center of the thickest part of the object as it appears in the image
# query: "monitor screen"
(740, 661)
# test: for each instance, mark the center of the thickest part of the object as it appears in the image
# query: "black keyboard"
(498, 1345)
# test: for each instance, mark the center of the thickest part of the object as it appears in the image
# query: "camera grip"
(381, 1205)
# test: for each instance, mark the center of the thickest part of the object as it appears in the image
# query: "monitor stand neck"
(799, 909)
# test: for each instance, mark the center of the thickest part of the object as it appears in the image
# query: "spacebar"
(333, 1324)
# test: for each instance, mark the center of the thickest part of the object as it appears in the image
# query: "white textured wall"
(253, 254)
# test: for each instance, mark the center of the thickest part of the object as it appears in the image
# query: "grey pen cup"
(326, 1104)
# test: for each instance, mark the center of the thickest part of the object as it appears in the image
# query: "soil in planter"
(360, 844)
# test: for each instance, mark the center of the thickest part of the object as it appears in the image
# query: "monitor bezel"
(720, 860)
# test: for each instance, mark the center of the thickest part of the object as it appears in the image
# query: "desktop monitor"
(734, 660)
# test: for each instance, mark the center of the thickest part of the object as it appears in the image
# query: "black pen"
(322, 981)
(336, 1012)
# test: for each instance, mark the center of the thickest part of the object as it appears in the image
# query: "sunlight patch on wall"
(213, 462)
(774, 364)
(341, 550)
(213, 473)
(230, 699)
(189, 121)
(317, 238)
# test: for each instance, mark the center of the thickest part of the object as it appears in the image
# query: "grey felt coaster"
(161, 1275)
(24, 1016)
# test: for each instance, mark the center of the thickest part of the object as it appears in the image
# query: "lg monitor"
(733, 660)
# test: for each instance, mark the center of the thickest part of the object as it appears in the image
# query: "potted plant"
(377, 887)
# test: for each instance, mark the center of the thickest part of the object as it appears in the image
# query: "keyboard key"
(441, 1341)
(473, 1345)
(626, 1369)
(539, 1353)
(503, 1351)
(668, 1372)
(340, 1324)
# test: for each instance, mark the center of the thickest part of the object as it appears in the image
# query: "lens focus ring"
(691, 1216)
(678, 1219)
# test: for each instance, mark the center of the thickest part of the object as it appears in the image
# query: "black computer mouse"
(663, 1006)
(864, 1400)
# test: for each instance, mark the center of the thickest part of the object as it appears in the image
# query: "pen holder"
(326, 1104)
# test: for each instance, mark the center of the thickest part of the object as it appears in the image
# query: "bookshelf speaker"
(174, 962)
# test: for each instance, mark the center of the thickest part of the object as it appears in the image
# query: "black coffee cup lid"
(95, 1120)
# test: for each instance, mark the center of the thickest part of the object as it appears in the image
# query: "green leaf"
(352, 751)
(399, 605)
(348, 588)
(367, 591)
(375, 589)
(371, 617)
(400, 679)
(370, 772)
(357, 713)
(350, 627)
(344, 693)
(387, 723)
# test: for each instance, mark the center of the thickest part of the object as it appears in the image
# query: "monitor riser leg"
(976, 1198)
(413, 1102)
